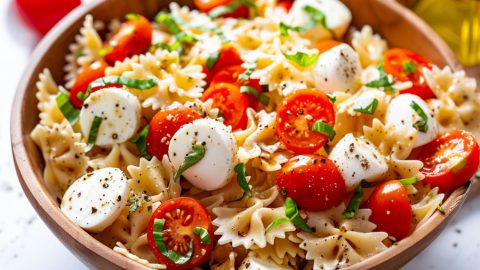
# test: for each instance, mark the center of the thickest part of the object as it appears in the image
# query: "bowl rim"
(79, 239)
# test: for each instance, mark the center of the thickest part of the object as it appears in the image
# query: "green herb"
(67, 109)
(242, 178)
(354, 203)
(180, 39)
(212, 59)
(136, 201)
(129, 82)
(236, 4)
(92, 135)
(141, 141)
(249, 71)
(203, 234)
(169, 22)
(324, 128)
(408, 181)
(382, 81)
(220, 114)
(420, 125)
(302, 59)
(262, 98)
(276, 222)
(105, 51)
(285, 27)
(440, 209)
(291, 211)
(332, 98)
(132, 16)
(172, 255)
(197, 153)
(315, 17)
(369, 109)
(409, 67)
(220, 34)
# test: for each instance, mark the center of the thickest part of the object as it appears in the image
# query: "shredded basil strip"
(197, 153)
(315, 17)
(302, 59)
(369, 109)
(420, 125)
(67, 109)
(285, 27)
(382, 81)
(132, 16)
(440, 209)
(236, 4)
(276, 222)
(408, 181)
(291, 211)
(141, 141)
(324, 128)
(242, 178)
(169, 22)
(128, 82)
(249, 71)
(92, 135)
(262, 98)
(203, 234)
(354, 203)
(172, 255)
(409, 67)
(212, 60)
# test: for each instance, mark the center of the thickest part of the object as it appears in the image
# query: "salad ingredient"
(228, 56)
(93, 72)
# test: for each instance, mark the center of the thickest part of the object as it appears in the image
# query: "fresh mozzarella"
(338, 18)
(216, 168)
(338, 69)
(401, 116)
(120, 112)
(95, 200)
(358, 159)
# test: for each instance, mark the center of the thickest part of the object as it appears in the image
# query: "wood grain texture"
(399, 26)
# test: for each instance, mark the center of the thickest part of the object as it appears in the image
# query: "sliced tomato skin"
(296, 115)
(228, 57)
(393, 65)
(199, 218)
(450, 160)
(326, 45)
(164, 125)
(312, 181)
(95, 71)
(391, 210)
(208, 5)
(134, 37)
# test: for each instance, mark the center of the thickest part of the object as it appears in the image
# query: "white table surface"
(26, 242)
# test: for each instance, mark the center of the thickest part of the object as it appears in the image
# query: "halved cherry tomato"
(326, 45)
(391, 210)
(296, 115)
(450, 160)
(231, 103)
(164, 125)
(397, 63)
(312, 181)
(228, 57)
(285, 4)
(95, 71)
(207, 5)
(182, 215)
(133, 37)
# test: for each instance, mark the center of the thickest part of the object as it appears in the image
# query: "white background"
(25, 242)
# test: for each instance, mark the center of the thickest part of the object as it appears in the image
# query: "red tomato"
(391, 210)
(95, 71)
(312, 181)
(207, 5)
(42, 15)
(326, 45)
(450, 160)
(296, 115)
(231, 103)
(133, 37)
(394, 64)
(182, 215)
(228, 57)
(285, 4)
(164, 125)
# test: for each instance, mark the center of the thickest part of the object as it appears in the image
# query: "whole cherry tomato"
(95, 71)
(228, 57)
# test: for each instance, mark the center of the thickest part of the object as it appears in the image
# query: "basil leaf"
(262, 98)
(317, 17)
(369, 109)
(302, 59)
(382, 81)
(136, 201)
(409, 67)
(172, 255)
(440, 209)
(276, 222)
(332, 98)
(177, 259)
(129, 82)
(354, 203)
(92, 134)
(236, 4)
(132, 16)
(141, 141)
(285, 27)
(408, 181)
(249, 71)
(180, 39)
(242, 178)
(67, 109)
(220, 34)
(420, 125)
(324, 128)
(291, 211)
(197, 153)
(203, 234)
(212, 60)
(169, 22)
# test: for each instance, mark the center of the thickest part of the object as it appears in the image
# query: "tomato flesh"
(182, 215)
(450, 160)
(391, 210)
(394, 61)
(93, 72)
(228, 57)
(296, 115)
(326, 45)
(208, 5)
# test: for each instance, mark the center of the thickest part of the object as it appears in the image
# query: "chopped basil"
(180, 39)
(262, 98)
(104, 51)
(302, 59)
(220, 34)
(354, 203)
(408, 181)
(332, 98)
(369, 109)
(141, 141)
(315, 17)
(197, 153)
(291, 211)
(324, 128)
(203, 234)
(136, 201)
(212, 59)
(129, 82)
(420, 125)
(242, 178)
(169, 22)
(93, 133)
(382, 81)
(249, 71)
(172, 255)
(67, 109)
(440, 209)
(234, 5)
(409, 67)
(132, 16)
(285, 27)
(276, 222)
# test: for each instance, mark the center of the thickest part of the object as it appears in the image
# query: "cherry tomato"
(95, 71)
(228, 57)
(405, 65)
(312, 181)
(391, 210)
(207, 5)
(450, 160)
(296, 115)
(182, 215)
(285, 4)
(326, 45)
(42, 15)
(133, 37)
(164, 125)
(231, 103)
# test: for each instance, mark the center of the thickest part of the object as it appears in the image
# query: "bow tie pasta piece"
(120, 156)
(47, 93)
(369, 46)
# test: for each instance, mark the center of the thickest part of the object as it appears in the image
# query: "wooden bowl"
(396, 24)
